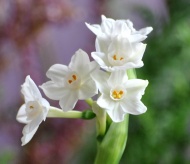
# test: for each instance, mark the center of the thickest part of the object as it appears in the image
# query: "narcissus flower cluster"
(119, 49)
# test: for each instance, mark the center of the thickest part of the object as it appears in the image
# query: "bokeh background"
(35, 34)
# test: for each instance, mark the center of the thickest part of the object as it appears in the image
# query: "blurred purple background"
(35, 34)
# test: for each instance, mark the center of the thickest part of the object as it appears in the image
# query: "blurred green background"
(31, 43)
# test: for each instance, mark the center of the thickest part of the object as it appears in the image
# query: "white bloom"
(120, 95)
(118, 44)
(110, 28)
(73, 82)
(33, 112)
(119, 55)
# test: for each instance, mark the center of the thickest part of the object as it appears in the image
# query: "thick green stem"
(111, 148)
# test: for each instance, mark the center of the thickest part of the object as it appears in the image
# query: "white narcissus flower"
(71, 83)
(119, 55)
(119, 95)
(118, 44)
(110, 28)
(33, 112)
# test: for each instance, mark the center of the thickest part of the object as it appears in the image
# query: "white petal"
(102, 43)
(117, 28)
(117, 114)
(137, 38)
(100, 78)
(128, 65)
(130, 25)
(124, 67)
(133, 106)
(136, 87)
(45, 103)
(79, 59)
(124, 46)
(107, 25)
(120, 27)
(117, 78)
(21, 115)
(27, 136)
(53, 90)
(106, 102)
(91, 67)
(87, 90)
(110, 20)
(33, 124)
(96, 29)
(80, 63)
(30, 90)
(145, 31)
(45, 108)
(69, 100)
(139, 50)
(100, 58)
(57, 72)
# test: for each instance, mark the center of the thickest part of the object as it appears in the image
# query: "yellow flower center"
(116, 57)
(117, 94)
(33, 108)
(72, 79)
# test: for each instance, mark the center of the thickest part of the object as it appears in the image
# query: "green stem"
(89, 101)
(100, 120)
(58, 113)
(131, 74)
(111, 148)
(102, 125)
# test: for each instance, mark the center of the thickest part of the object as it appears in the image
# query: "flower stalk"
(131, 74)
(100, 120)
(89, 101)
(58, 113)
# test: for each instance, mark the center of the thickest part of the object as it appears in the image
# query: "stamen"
(115, 57)
(70, 81)
(117, 94)
(31, 107)
(74, 77)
